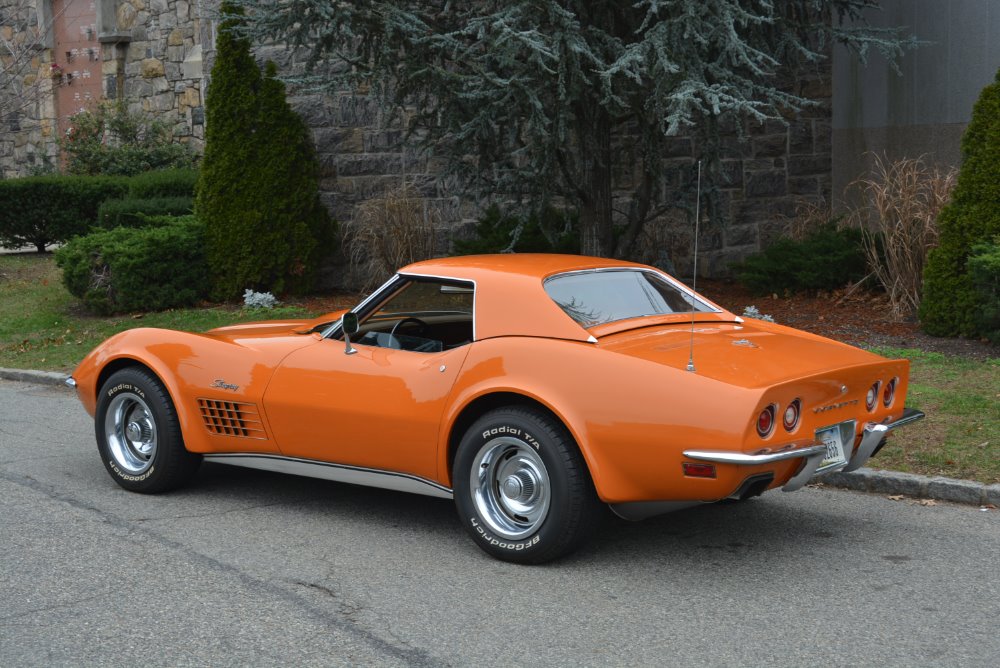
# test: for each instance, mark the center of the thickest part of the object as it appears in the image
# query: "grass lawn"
(960, 437)
(43, 327)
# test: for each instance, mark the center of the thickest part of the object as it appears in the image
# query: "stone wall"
(150, 54)
(27, 108)
(157, 54)
(152, 59)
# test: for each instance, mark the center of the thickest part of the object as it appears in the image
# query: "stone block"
(357, 111)
(764, 184)
(151, 68)
(824, 136)
(992, 494)
(373, 164)
(175, 54)
(741, 235)
(382, 140)
(731, 175)
(677, 147)
(313, 109)
(800, 138)
(198, 116)
(183, 10)
(803, 185)
(805, 165)
(770, 146)
(176, 37)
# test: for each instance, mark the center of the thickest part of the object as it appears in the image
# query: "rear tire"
(139, 436)
(522, 488)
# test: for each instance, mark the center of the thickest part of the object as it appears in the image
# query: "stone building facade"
(156, 54)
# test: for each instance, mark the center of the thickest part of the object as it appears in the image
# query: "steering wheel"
(420, 325)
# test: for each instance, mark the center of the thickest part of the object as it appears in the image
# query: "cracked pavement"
(249, 567)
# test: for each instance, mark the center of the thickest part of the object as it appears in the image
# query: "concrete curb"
(918, 486)
(38, 377)
(862, 480)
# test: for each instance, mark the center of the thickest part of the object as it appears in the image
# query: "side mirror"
(349, 325)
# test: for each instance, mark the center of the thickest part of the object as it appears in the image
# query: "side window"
(425, 316)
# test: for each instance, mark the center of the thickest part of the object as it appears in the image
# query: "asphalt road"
(248, 567)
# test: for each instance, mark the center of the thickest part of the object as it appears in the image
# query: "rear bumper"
(812, 455)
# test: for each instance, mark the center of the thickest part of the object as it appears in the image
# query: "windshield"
(598, 297)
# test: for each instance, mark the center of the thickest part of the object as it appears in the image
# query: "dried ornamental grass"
(901, 202)
(387, 233)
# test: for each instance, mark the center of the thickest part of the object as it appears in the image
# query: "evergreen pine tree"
(949, 306)
(258, 192)
(575, 99)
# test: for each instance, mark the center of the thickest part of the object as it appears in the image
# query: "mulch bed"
(860, 318)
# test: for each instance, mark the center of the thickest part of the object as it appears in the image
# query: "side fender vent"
(232, 418)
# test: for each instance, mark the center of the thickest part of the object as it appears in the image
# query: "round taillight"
(765, 421)
(889, 393)
(872, 397)
(790, 420)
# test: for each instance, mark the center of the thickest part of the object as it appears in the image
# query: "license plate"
(831, 438)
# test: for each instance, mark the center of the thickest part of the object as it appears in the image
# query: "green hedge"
(137, 269)
(43, 210)
(163, 183)
(136, 212)
(984, 271)
(826, 259)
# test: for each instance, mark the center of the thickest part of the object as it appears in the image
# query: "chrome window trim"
(691, 294)
(356, 475)
(333, 329)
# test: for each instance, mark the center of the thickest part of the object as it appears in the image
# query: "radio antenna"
(694, 278)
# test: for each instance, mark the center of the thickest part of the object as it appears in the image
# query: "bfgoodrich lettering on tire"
(138, 434)
(522, 489)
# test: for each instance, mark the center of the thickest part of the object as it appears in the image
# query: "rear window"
(598, 297)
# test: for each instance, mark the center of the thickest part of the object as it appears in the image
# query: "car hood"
(750, 354)
(244, 333)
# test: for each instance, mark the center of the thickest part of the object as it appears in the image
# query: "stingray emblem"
(223, 385)
(745, 343)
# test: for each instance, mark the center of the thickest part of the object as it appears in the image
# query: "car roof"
(510, 297)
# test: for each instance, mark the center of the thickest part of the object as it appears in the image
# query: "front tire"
(522, 488)
(139, 436)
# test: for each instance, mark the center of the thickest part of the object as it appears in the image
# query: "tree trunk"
(596, 226)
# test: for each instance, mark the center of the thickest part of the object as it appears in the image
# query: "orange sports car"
(535, 390)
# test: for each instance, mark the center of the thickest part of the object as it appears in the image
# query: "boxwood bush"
(826, 259)
(136, 212)
(43, 210)
(137, 269)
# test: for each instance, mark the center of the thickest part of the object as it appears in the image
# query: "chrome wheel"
(510, 487)
(130, 431)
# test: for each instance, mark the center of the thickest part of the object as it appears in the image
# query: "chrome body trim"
(874, 433)
(70, 382)
(811, 455)
(355, 475)
(743, 459)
